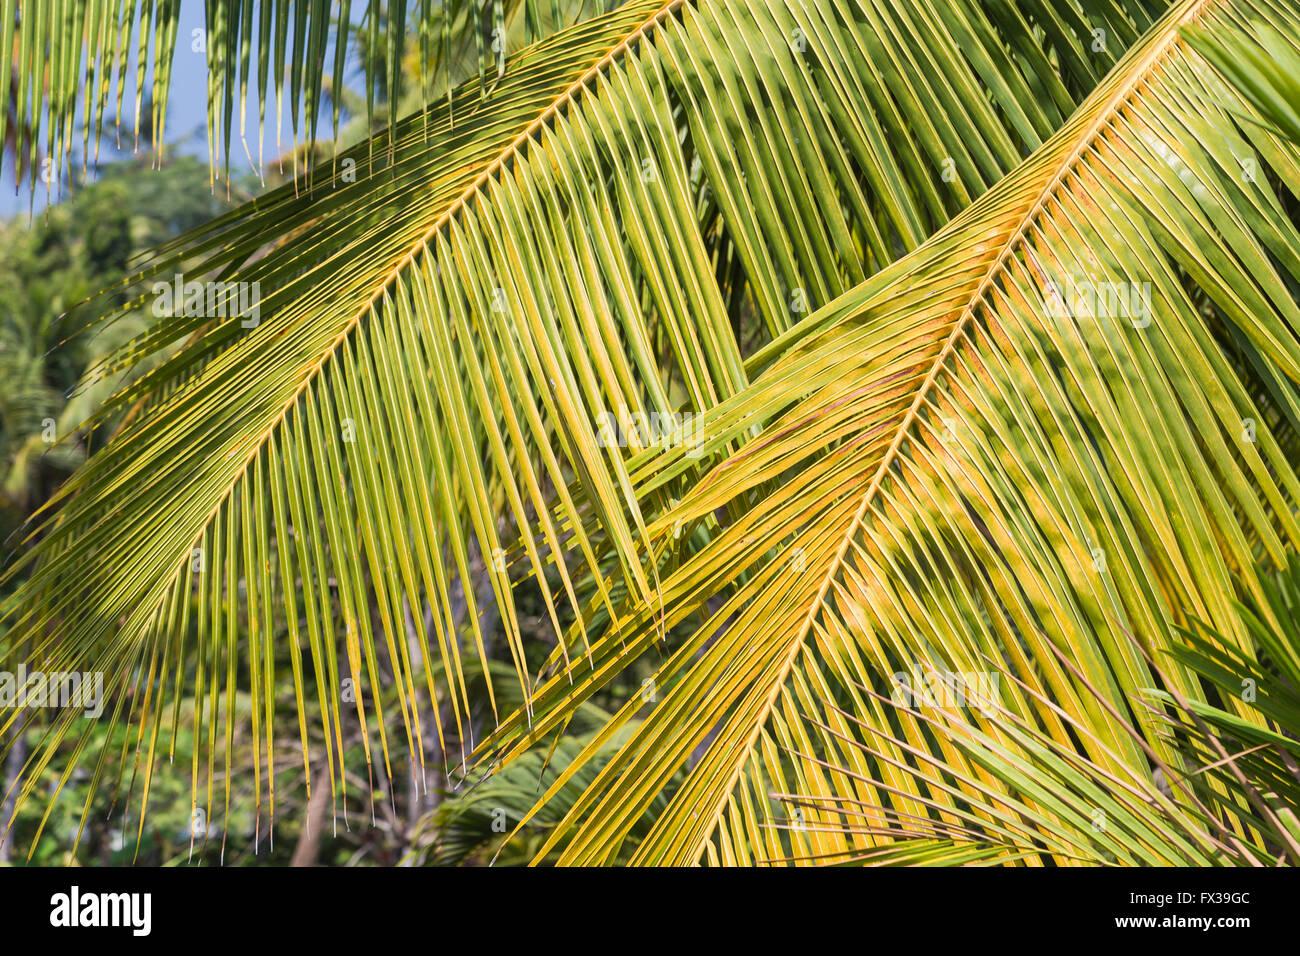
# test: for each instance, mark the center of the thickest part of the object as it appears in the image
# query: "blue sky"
(186, 118)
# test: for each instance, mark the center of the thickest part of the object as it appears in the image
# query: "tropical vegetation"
(704, 432)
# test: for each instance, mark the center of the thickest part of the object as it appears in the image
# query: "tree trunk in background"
(13, 767)
(424, 793)
(309, 842)
(484, 594)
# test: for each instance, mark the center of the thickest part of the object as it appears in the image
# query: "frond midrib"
(510, 152)
(1143, 62)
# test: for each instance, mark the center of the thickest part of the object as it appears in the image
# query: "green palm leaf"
(984, 471)
(446, 316)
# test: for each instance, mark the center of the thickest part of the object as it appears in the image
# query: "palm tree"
(974, 330)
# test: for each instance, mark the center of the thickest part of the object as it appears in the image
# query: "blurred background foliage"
(47, 265)
(394, 815)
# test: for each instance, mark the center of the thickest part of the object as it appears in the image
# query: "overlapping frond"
(982, 483)
(433, 334)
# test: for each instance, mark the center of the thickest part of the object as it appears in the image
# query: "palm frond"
(635, 217)
(1057, 423)
(481, 820)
